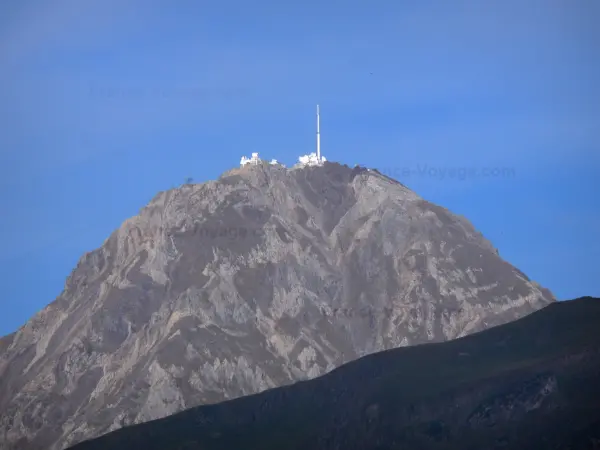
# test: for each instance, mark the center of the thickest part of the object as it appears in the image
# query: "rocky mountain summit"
(261, 278)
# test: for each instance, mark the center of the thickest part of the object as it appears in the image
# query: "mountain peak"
(263, 277)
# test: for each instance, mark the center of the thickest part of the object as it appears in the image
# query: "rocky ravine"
(264, 277)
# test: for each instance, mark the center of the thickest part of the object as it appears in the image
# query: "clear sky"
(105, 103)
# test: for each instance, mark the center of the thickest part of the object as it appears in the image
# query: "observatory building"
(312, 160)
(254, 160)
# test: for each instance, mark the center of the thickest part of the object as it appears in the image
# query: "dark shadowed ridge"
(530, 384)
(262, 278)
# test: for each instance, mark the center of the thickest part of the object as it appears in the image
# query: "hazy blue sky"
(104, 103)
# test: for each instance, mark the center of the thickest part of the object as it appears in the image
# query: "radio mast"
(318, 137)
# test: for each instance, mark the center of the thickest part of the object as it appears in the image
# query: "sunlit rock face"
(262, 278)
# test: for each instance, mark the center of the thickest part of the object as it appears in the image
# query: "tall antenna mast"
(318, 137)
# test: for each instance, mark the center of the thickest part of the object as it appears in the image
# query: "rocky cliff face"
(264, 277)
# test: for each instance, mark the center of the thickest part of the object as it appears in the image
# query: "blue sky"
(103, 104)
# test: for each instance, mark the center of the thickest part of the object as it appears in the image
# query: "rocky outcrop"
(259, 279)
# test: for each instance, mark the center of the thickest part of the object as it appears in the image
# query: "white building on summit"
(312, 160)
(254, 160)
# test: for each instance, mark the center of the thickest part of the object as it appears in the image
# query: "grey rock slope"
(262, 278)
